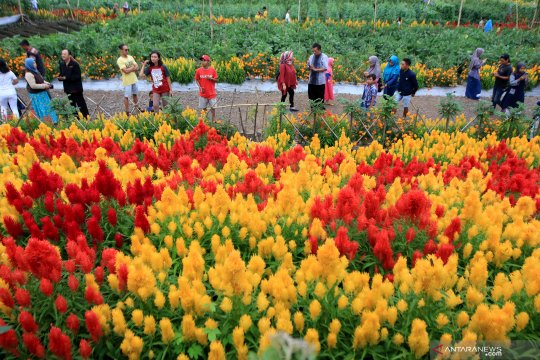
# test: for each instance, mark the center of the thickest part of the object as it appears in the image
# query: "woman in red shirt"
(286, 79)
(161, 79)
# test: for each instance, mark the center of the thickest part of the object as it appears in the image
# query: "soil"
(37, 27)
(111, 102)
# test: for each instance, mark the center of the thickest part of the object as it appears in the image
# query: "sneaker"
(293, 109)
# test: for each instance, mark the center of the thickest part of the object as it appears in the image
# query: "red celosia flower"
(23, 297)
(8, 340)
(108, 259)
(410, 235)
(95, 230)
(93, 296)
(122, 276)
(70, 265)
(314, 244)
(14, 228)
(430, 247)
(118, 240)
(61, 304)
(111, 216)
(33, 345)
(99, 273)
(444, 252)
(59, 344)
(49, 230)
(43, 260)
(140, 219)
(73, 283)
(46, 287)
(27, 322)
(72, 322)
(453, 229)
(92, 325)
(85, 349)
(6, 298)
(439, 211)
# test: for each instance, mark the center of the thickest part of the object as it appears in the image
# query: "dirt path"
(112, 102)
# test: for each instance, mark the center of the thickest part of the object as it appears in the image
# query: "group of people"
(509, 86)
(397, 78)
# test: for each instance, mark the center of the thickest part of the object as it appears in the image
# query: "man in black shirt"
(70, 74)
(33, 53)
(502, 75)
(407, 85)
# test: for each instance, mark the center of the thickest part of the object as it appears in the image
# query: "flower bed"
(195, 245)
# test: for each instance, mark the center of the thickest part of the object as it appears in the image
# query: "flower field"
(189, 245)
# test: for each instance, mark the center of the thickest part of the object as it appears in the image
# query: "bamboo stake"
(211, 21)
(375, 16)
(299, 10)
(459, 16)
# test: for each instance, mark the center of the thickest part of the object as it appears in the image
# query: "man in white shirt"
(287, 17)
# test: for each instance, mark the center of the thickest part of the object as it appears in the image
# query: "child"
(407, 85)
(206, 77)
(369, 97)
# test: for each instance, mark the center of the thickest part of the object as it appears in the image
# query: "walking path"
(252, 86)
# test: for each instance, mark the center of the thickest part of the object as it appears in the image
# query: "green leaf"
(4, 329)
(212, 333)
(195, 351)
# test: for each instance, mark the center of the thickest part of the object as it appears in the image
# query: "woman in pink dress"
(329, 87)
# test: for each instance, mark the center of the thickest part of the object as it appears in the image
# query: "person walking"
(374, 69)
(161, 79)
(329, 85)
(391, 76)
(8, 94)
(407, 85)
(489, 26)
(502, 76)
(369, 97)
(70, 75)
(287, 17)
(286, 80)
(125, 8)
(474, 86)
(37, 91)
(33, 53)
(128, 67)
(206, 77)
(516, 91)
(317, 64)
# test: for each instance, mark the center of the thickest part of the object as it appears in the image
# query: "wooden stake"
(459, 16)
(375, 15)
(211, 21)
(299, 10)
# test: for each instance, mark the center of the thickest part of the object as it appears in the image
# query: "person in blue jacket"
(391, 76)
(489, 26)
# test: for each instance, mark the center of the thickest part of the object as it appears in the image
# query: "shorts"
(131, 90)
(205, 103)
(406, 99)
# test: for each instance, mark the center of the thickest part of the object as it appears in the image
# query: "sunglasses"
(126, 49)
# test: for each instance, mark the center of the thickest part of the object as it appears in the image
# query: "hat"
(205, 58)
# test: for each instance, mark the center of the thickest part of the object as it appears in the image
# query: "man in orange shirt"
(206, 77)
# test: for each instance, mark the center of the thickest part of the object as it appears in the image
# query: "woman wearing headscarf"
(489, 26)
(329, 86)
(516, 91)
(374, 67)
(37, 90)
(286, 79)
(391, 76)
(474, 86)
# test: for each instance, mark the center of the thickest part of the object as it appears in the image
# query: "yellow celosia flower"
(226, 305)
(149, 325)
(217, 352)
(315, 309)
(522, 319)
(137, 317)
(335, 326)
(119, 322)
(312, 337)
(441, 320)
(132, 345)
(462, 319)
(343, 301)
(167, 331)
(418, 340)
